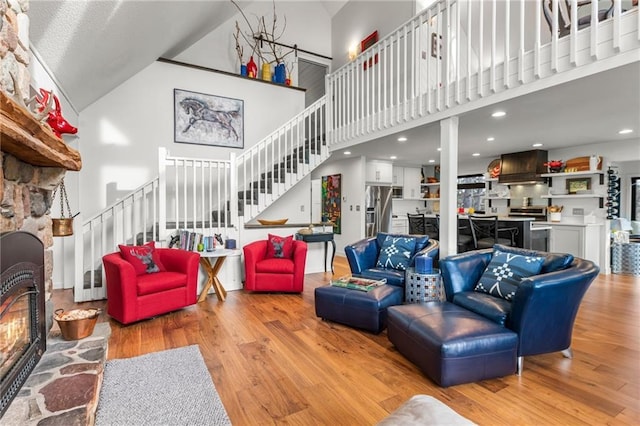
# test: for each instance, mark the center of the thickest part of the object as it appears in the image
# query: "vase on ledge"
(243, 70)
(252, 68)
(280, 74)
(266, 71)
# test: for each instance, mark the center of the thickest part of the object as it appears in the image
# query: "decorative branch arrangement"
(257, 35)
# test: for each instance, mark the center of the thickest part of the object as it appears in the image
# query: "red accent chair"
(274, 274)
(132, 297)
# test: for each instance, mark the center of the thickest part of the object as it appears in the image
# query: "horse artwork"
(208, 120)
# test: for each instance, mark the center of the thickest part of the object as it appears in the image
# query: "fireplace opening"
(22, 311)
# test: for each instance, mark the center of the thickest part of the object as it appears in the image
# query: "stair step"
(248, 197)
(277, 175)
(264, 186)
(314, 145)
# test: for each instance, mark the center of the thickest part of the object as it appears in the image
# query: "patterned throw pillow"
(145, 259)
(279, 247)
(396, 252)
(505, 271)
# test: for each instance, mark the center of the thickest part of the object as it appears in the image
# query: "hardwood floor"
(274, 362)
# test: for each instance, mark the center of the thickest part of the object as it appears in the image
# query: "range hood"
(523, 167)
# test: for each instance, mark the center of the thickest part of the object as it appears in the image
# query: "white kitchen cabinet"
(399, 226)
(379, 172)
(411, 187)
(582, 241)
(398, 176)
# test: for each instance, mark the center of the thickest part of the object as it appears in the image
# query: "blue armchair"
(544, 307)
(363, 256)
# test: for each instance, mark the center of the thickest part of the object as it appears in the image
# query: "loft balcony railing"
(457, 52)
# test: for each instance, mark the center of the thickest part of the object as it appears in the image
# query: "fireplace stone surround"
(33, 162)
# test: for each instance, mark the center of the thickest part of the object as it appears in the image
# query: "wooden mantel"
(31, 141)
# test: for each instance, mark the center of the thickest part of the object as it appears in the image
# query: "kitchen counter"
(567, 224)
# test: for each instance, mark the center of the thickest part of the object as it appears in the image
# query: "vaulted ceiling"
(91, 47)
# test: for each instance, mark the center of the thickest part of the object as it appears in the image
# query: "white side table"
(422, 287)
(211, 262)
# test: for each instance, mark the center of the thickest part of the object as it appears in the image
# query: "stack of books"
(355, 283)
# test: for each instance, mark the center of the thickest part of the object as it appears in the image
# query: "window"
(471, 191)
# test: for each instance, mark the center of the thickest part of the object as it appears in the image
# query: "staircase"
(452, 57)
(205, 196)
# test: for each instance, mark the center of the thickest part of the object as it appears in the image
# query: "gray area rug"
(170, 387)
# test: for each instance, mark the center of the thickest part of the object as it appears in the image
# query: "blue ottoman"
(450, 344)
(355, 308)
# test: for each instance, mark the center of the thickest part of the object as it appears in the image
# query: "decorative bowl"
(273, 222)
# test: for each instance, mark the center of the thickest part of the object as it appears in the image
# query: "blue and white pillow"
(505, 272)
(396, 252)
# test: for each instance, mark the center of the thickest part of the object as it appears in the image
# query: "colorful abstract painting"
(331, 197)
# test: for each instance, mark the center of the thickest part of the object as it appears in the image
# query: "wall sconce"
(353, 52)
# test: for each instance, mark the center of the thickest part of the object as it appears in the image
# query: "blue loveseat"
(474, 335)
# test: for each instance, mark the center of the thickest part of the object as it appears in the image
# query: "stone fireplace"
(33, 162)
(22, 313)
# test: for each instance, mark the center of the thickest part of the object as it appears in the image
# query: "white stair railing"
(196, 194)
(459, 51)
(129, 220)
(272, 166)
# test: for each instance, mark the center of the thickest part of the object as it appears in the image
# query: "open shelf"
(570, 174)
(574, 196)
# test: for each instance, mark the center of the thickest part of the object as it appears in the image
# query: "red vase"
(252, 68)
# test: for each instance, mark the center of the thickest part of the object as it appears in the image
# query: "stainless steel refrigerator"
(378, 209)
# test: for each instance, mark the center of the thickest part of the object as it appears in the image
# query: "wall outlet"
(578, 212)
(302, 207)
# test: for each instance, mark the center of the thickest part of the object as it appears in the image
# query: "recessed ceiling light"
(402, 139)
(491, 139)
(393, 157)
(498, 114)
(439, 149)
(347, 153)
(625, 131)
(476, 154)
(432, 161)
(535, 145)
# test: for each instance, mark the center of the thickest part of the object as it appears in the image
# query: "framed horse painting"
(207, 119)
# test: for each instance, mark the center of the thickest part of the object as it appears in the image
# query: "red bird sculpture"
(56, 121)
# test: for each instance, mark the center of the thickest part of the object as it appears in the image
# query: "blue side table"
(422, 287)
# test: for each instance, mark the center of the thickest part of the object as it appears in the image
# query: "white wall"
(357, 19)
(307, 24)
(353, 202)
(122, 131)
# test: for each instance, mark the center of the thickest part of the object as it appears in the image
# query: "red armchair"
(274, 274)
(133, 296)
